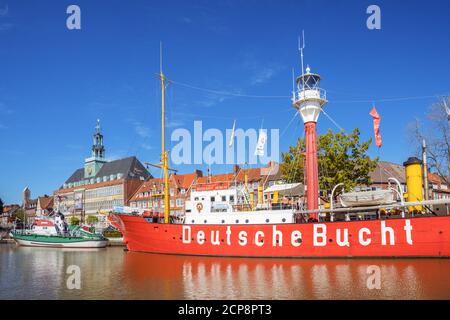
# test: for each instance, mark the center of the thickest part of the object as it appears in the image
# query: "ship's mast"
(309, 101)
(164, 154)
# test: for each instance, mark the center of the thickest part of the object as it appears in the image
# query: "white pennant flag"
(259, 151)
(232, 135)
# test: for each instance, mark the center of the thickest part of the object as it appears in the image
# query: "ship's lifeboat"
(368, 198)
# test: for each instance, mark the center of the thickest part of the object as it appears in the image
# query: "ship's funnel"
(413, 171)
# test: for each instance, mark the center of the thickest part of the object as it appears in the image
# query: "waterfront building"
(251, 178)
(100, 184)
(44, 205)
(150, 195)
(385, 170)
(438, 187)
(29, 205)
(7, 214)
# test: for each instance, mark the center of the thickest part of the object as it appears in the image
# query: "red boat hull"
(413, 237)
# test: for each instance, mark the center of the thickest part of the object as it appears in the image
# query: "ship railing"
(369, 210)
(311, 93)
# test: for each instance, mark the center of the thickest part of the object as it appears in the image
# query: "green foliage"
(74, 221)
(1, 206)
(19, 214)
(92, 219)
(341, 158)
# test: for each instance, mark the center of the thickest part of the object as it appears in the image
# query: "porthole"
(193, 221)
(246, 221)
(237, 221)
(206, 221)
(267, 220)
(284, 219)
(223, 221)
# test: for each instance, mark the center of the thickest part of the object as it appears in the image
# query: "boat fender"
(199, 207)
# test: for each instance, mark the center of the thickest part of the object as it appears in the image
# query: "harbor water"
(112, 273)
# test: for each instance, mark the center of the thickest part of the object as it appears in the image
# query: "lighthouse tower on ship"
(309, 100)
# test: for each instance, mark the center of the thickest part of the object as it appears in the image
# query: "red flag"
(376, 126)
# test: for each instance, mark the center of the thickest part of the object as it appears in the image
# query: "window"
(224, 198)
(232, 198)
(180, 202)
(213, 199)
(183, 191)
(171, 192)
(196, 199)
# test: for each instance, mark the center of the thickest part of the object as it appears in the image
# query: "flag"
(259, 151)
(376, 126)
(232, 135)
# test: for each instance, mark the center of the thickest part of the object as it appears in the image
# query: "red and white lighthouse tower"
(309, 100)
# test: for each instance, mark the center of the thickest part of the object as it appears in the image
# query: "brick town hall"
(100, 184)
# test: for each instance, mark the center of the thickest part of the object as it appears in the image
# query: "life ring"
(199, 207)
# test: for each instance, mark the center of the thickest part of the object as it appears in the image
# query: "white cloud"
(211, 100)
(186, 20)
(4, 109)
(141, 130)
(174, 123)
(4, 11)
(146, 146)
(264, 75)
(261, 72)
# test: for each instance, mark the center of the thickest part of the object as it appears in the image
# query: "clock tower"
(93, 164)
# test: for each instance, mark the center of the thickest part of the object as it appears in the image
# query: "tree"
(435, 130)
(1, 206)
(19, 214)
(92, 219)
(74, 221)
(342, 158)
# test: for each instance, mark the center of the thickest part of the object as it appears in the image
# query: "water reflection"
(33, 273)
(224, 278)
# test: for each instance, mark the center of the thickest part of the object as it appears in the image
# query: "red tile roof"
(180, 181)
(435, 178)
(46, 202)
(184, 181)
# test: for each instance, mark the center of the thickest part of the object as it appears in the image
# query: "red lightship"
(238, 228)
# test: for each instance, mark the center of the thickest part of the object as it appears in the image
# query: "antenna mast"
(301, 46)
(293, 85)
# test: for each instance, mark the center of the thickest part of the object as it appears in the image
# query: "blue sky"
(55, 82)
